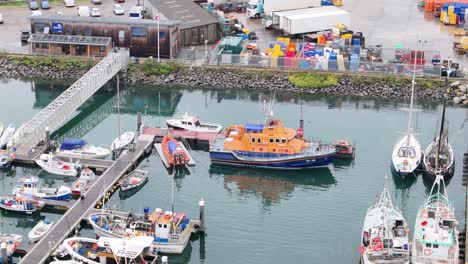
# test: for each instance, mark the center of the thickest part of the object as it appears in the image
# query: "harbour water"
(253, 216)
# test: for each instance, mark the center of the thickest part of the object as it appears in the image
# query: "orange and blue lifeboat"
(269, 145)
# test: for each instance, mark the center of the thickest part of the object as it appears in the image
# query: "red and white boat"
(173, 153)
(86, 180)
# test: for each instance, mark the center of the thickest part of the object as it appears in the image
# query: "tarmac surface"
(386, 22)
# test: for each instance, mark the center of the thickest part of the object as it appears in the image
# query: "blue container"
(172, 146)
(445, 7)
(332, 57)
(319, 52)
(356, 42)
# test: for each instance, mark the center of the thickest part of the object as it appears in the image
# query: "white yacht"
(53, 165)
(192, 123)
(79, 148)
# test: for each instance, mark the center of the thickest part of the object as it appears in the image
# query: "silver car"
(119, 9)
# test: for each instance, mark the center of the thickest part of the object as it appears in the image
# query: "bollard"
(3, 246)
(202, 215)
(301, 123)
(47, 138)
(164, 260)
(138, 120)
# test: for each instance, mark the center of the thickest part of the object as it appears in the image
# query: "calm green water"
(254, 216)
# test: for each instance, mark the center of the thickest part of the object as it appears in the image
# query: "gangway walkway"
(58, 111)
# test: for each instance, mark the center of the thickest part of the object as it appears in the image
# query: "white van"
(84, 11)
(136, 12)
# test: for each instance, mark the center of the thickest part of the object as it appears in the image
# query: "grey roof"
(190, 14)
(103, 20)
(64, 39)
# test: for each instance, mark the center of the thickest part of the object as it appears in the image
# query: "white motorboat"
(192, 123)
(79, 148)
(56, 166)
(29, 187)
(133, 180)
(12, 241)
(39, 230)
(122, 141)
(86, 180)
(385, 235)
(7, 135)
(92, 251)
(436, 229)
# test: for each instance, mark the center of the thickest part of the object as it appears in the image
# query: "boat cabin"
(190, 120)
(25, 183)
(161, 225)
(406, 152)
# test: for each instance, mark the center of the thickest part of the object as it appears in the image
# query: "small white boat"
(21, 204)
(12, 242)
(6, 158)
(7, 135)
(39, 230)
(406, 155)
(86, 180)
(192, 123)
(134, 179)
(29, 187)
(56, 166)
(91, 251)
(79, 148)
(122, 141)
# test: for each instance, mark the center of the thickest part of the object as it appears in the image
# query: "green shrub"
(152, 67)
(313, 80)
(60, 63)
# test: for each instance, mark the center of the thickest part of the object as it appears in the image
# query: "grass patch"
(58, 63)
(13, 4)
(151, 67)
(313, 80)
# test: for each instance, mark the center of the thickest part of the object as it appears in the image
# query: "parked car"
(69, 3)
(1, 18)
(136, 12)
(119, 9)
(45, 4)
(25, 34)
(84, 11)
(36, 13)
(95, 12)
(33, 5)
(96, 2)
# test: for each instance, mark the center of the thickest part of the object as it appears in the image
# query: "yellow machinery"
(337, 2)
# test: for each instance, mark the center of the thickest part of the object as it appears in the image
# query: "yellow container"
(464, 42)
(443, 14)
(451, 9)
(286, 40)
(453, 19)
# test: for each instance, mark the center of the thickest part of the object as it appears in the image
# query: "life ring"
(427, 252)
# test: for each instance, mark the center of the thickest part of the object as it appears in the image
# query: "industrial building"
(196, 24)
(139, 36)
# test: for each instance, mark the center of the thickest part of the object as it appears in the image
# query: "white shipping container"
(315, 21)
(278, 17)
(270, 6)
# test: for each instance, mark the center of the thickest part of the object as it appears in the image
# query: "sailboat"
(385, 235)
(438, 157)
(435, 232)
(126, 138)
(407, 153)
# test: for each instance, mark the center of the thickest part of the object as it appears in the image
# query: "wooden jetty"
(79, 210)
(203, 138)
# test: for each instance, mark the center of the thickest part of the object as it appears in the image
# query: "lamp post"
(206, 49)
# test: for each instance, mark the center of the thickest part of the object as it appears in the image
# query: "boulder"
(454, 84)
(457, 100)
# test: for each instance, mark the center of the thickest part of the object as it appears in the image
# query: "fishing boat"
(6, 159)
(79, 148)
(436, 229)
(7, 135)
(54, 165)
(438, 156)
(192, 123)
(21, 204)
(173, 153)
(84, 182)
(29, 187)
(12, 241)
(134, 180)
(385, 234)
(109, 250)
(407, 153)
(39, 230)
(344, 149)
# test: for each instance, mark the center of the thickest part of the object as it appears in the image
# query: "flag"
(156, 19)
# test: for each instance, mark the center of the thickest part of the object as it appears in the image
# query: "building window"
(102, 49)
(87, 31)
(39, 27)
(138, 32)
(78, 31)
(162, 34)
(68, 30)
(80, 49)
(41, 45)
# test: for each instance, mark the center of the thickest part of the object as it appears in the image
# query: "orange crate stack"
(429, 6)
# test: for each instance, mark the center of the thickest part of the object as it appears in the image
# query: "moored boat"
(122, 141)
(84, 182)
(54, 165)
(12, 241)
(39, 230)
(20, 204)
(344, 149)
(7, 135)
(385, 234)
(406, 155)
(6, 159)
(79, 148)
(436, 228)
(135, 179)
(29, 187)
(109, 250)
(192, 123)
(172, 152)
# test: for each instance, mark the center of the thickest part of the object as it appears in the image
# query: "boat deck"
(79, 210)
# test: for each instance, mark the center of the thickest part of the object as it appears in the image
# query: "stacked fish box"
(283, 53)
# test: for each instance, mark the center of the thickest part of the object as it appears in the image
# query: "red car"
(119, 1)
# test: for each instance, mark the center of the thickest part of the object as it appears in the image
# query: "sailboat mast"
(118, 107)
(442, 121)
(413, 82)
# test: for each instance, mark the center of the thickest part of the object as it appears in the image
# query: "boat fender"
(427, 252)
(407, 230)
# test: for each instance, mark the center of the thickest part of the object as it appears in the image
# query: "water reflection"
(271, 185)
(429, 181)
(404, 182)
